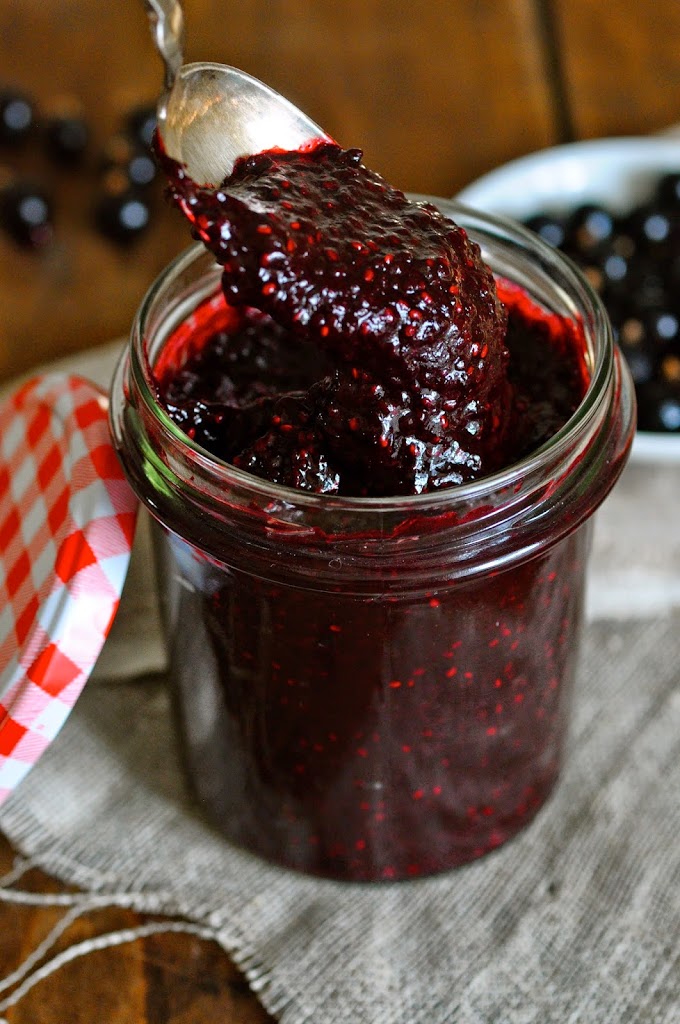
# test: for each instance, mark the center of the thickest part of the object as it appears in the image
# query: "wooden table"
(163, 979)
(435, 93)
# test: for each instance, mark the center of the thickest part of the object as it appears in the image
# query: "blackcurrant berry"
(652, 227)
(66, 138)
(662, 327)
(123, 217)
(641, 362)
(617, 260)
(140, 125)
(549, 228)
(122, 154)
(659, 406)
(668, 191)
(26, 214)
(17, 117)
(141, 169)
(647, 287)
(588, 228)
(634, 263)
(615, 268)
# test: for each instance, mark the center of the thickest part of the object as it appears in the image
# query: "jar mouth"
(565, 280)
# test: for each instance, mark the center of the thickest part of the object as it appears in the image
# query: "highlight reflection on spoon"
(215, 114)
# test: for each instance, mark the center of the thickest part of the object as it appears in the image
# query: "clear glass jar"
(374, 688)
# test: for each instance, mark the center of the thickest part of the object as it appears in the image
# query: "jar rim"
(508, 477)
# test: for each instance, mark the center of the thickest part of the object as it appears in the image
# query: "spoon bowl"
(214, 114)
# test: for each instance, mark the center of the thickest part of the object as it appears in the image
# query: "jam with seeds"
(398, 298)
(384, 737)
(375, 737)
(367, 689)
(239, 384)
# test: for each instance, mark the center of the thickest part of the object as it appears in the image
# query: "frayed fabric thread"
(35, 969)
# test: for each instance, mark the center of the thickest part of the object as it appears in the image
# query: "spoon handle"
(167, 24)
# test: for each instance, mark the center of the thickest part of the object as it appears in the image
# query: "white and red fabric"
(67, 519)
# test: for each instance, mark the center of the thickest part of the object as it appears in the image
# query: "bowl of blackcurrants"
(613, 207)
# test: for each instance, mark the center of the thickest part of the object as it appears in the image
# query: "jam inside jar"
(374, 688)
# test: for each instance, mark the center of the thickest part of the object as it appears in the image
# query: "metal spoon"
(211, 114)
(167, 26)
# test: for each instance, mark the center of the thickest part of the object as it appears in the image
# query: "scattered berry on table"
(123, 217)
(66, 132)
(17, 117)
(26, 214)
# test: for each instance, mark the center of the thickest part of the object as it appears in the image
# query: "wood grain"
(621, 64)
(435, 93)
(164, 979)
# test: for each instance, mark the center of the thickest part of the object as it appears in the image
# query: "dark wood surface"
(162, 979)
(436, 93)
(621, 64)
(410, 83)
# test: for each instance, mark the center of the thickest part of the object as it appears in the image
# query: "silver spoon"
(211, 114)
(167, 26)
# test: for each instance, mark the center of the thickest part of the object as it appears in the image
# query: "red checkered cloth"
(67, 519)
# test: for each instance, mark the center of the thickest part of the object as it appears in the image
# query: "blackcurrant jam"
(372, 641)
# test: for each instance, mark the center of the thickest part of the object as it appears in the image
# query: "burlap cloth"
(576, 920)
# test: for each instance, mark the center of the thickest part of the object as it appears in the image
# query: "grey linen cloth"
(575, 920)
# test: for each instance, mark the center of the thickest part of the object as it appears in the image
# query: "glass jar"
(374, 688)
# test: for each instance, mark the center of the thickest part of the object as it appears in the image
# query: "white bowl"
(618, 173)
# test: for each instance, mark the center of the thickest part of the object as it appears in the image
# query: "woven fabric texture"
(576, 921)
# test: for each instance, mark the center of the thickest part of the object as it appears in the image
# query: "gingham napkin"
(66, 525)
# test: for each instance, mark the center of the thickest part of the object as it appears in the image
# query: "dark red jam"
(362, 348)
(238, 384)
(365, 737)
(377, 361)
